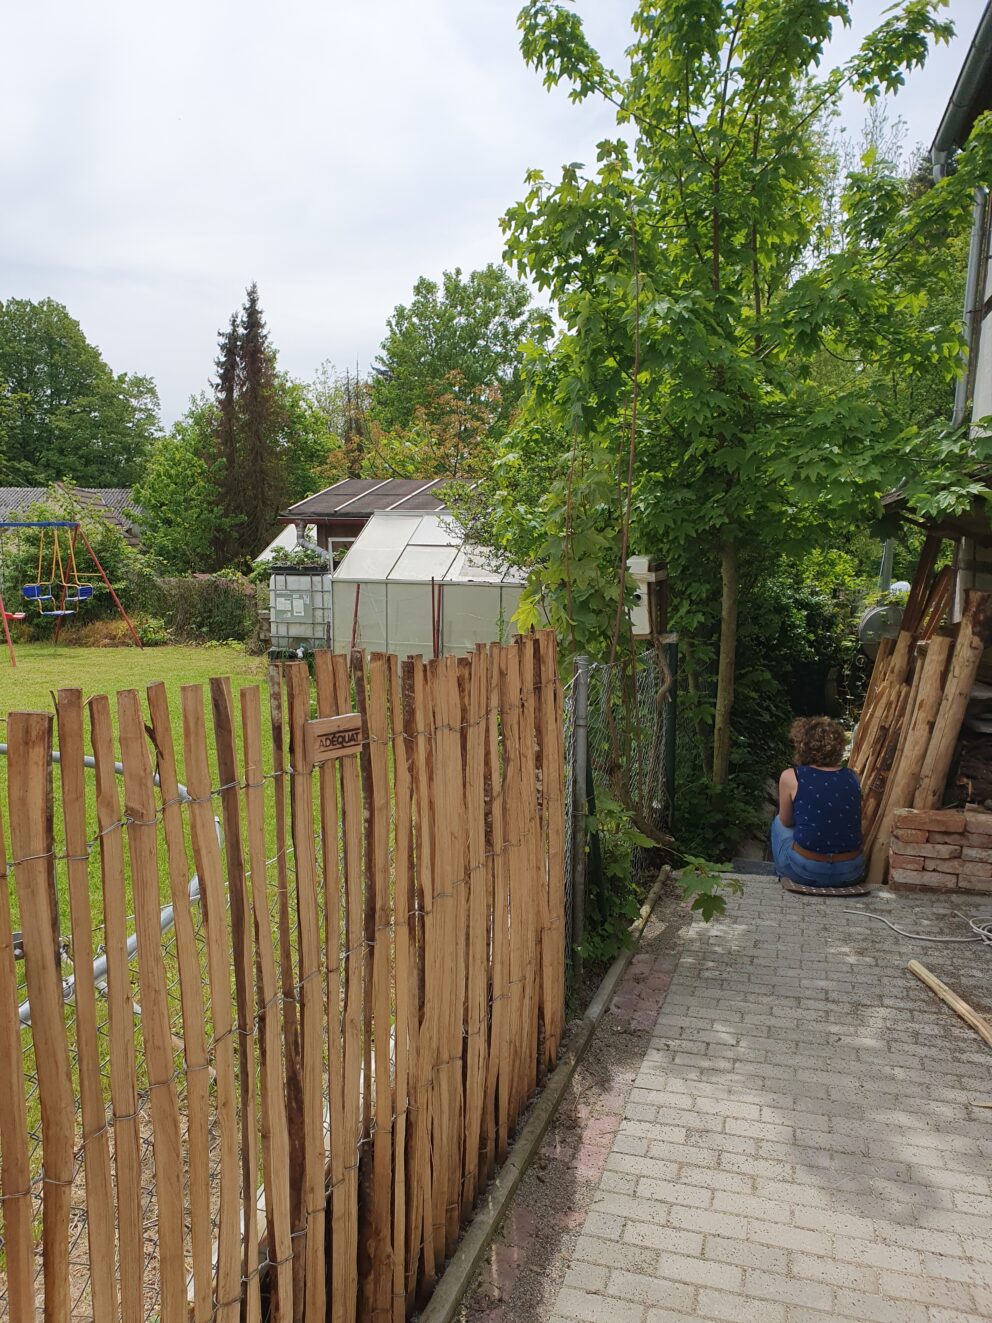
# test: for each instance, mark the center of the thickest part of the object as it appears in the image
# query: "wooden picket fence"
(286, 1101)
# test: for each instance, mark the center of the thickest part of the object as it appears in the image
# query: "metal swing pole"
(65, 590)
(117, 601)
(6, 631)
(3, 606)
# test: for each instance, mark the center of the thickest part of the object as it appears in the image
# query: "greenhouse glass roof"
(410, 548)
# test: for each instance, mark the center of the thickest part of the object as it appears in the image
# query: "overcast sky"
(156, 159)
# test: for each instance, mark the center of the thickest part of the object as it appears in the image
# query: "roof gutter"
(974, 288)
(959, 115)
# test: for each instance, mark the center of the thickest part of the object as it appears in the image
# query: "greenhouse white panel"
(470, 615)
(364, 562)
(435, 531)
(473, 565)
(511, 594)
(387, 532)
(371, 633)
(421, 564)
(408, 619)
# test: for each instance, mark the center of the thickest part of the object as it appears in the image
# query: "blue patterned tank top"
(827, 810)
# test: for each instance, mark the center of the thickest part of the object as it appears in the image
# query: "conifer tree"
(262, 488)
(225, 463)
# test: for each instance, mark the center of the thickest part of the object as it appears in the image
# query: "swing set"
(58, 591)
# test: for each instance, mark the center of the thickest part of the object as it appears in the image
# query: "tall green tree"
(182, 519)
(682, 392)
(462, 337)
(264, 440)
(63, 412)
(264, 420)
(191, 521)
(222, 456)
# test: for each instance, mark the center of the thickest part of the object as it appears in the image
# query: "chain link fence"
(620, 742)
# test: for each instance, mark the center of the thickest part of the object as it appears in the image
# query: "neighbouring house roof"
(358, 498)
(972, 94)
(115, 504)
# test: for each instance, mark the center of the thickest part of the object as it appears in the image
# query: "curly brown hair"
(818, 741)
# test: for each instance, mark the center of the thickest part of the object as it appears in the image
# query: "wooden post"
(287, 974)
(275, 1133)
(96, 1140)
(476, 1042)
(142, 839)
(419, 743)
(206, 853)
(330, 827)
(974, 632)
(917, 728)
(311, 1010)
(120, 1004)
(353, 997)
(371, 695)
(191, 992)
(15, 1166)
(242, 959)
(875, 787)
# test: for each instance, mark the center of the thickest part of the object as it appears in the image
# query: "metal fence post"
(579, 806)
(671, 716)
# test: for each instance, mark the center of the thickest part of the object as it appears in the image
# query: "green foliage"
(447, 378)
(708, 886)
(190, 520)
(282, 558)
(63, 412)
(152, 631)
(705, 275)
(181, 517)
(611, 905)
(208, 608)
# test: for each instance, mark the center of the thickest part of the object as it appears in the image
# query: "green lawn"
(42, 668)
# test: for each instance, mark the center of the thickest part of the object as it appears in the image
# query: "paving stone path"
(801, 1141)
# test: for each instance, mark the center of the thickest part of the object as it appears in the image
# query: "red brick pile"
(941, 850)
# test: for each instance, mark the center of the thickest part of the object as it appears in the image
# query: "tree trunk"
(728, 658)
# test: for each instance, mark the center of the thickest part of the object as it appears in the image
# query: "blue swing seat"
(38, 592)
(83, 593)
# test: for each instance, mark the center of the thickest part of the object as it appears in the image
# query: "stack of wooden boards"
(917, 696)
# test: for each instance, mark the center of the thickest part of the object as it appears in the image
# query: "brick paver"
(801, 1141)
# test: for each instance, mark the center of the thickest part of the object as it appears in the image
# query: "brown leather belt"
(825, 858)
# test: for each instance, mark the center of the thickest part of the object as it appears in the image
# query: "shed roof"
(360, 497)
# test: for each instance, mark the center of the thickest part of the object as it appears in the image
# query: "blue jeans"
(811, 872)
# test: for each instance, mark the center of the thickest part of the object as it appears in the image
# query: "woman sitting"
(816, 838)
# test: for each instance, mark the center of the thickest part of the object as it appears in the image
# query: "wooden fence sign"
(332, 737)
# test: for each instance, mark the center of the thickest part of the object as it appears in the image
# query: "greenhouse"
(413, 584)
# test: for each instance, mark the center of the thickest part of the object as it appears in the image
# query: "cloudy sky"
(156, 159)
